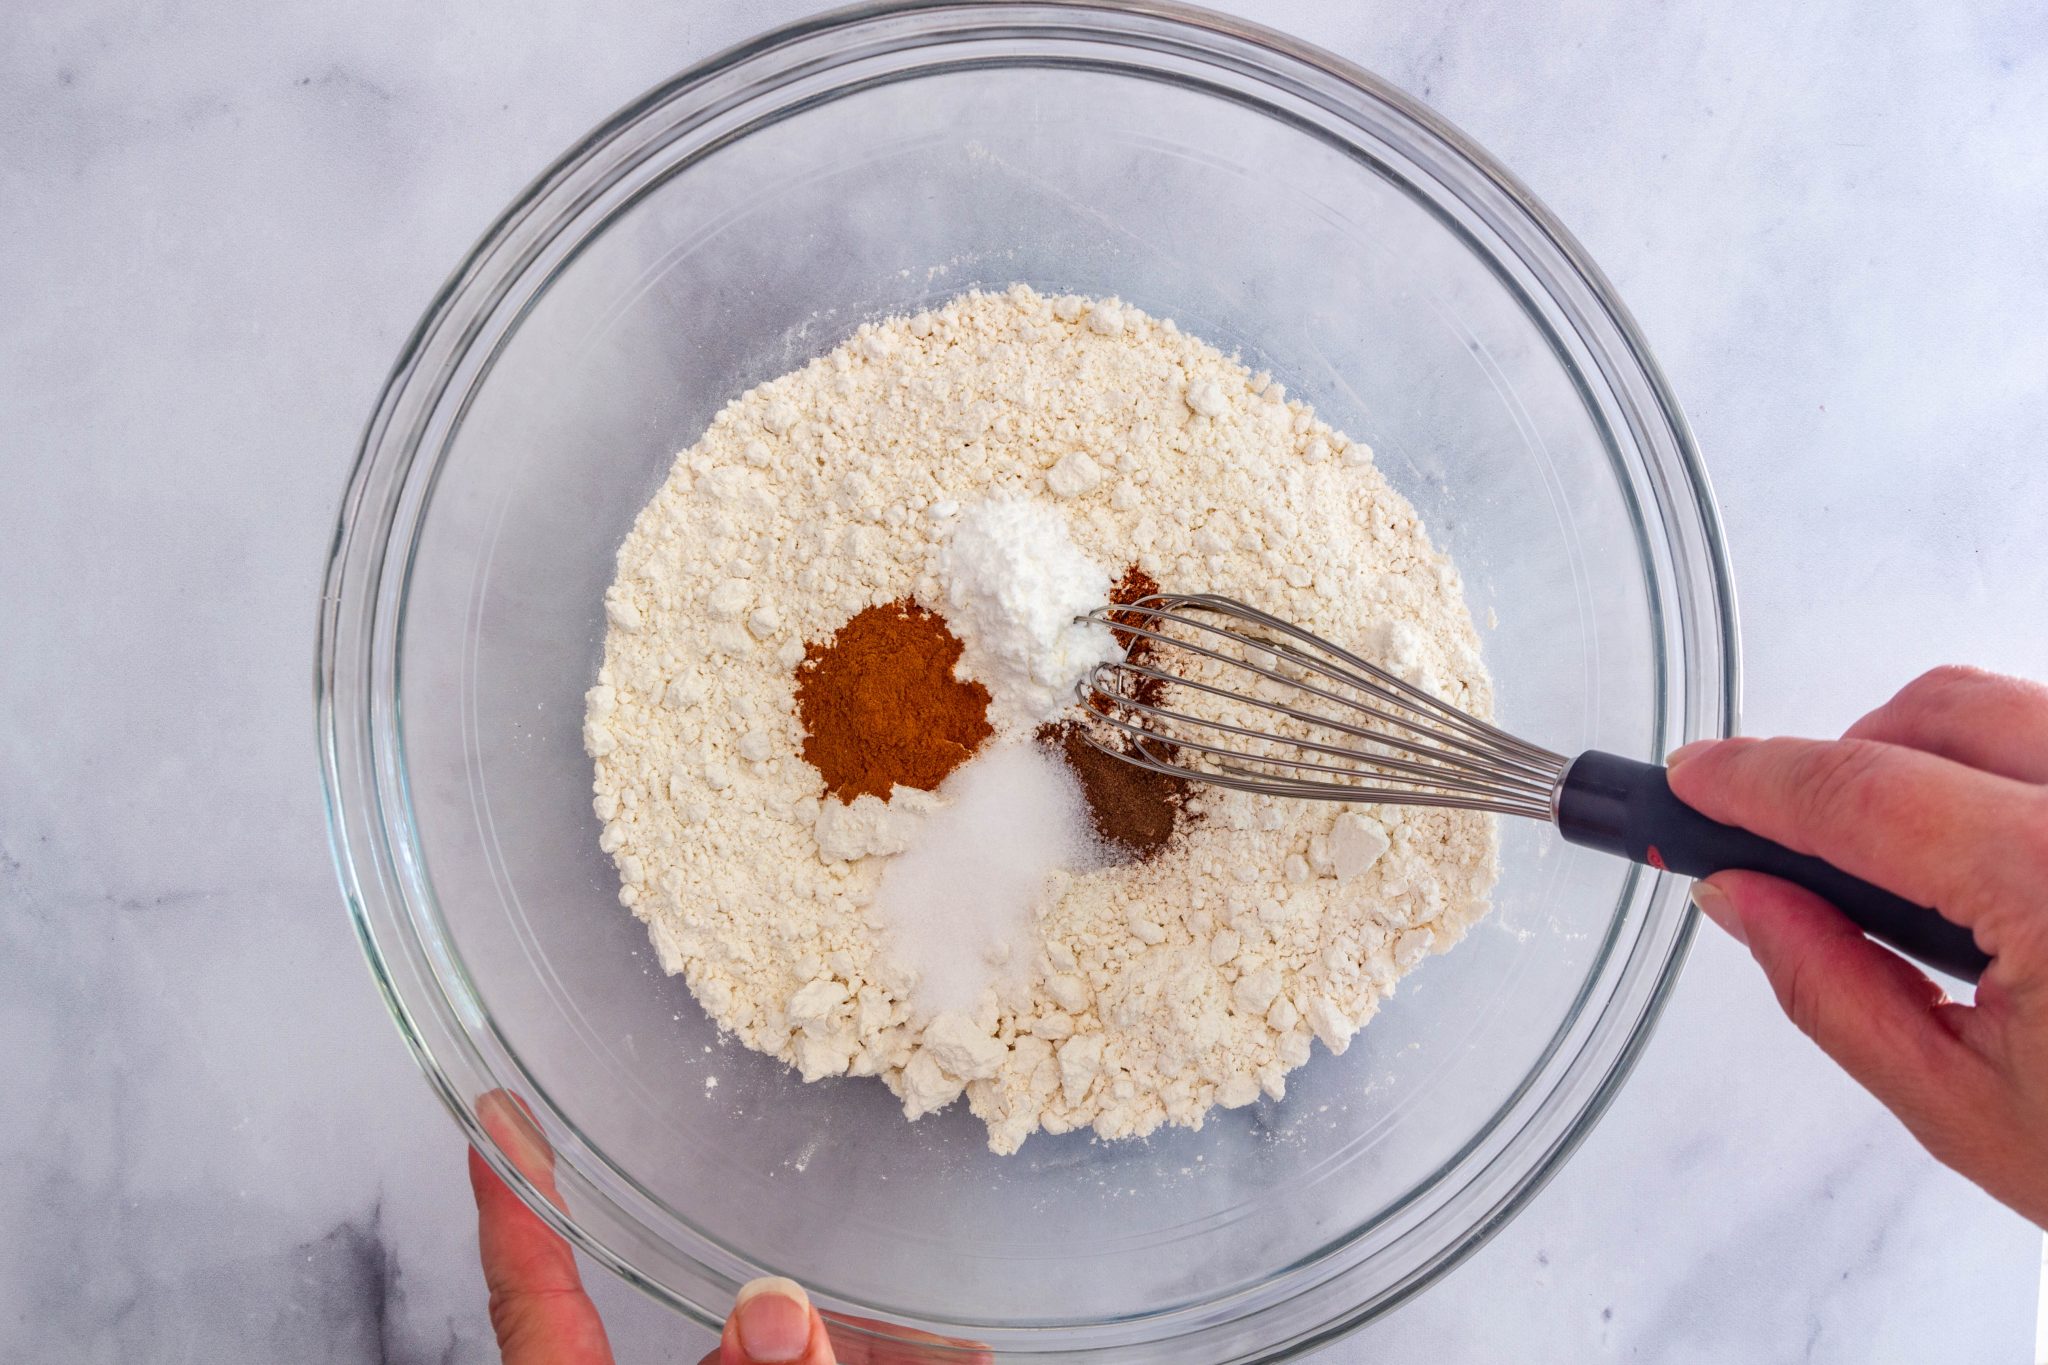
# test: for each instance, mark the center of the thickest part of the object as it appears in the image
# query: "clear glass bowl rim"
(357, 722)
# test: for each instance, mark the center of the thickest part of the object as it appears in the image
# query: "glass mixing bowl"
(746, 217)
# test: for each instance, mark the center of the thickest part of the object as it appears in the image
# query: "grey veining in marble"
(219, 222)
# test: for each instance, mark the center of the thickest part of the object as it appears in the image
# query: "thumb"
(1883, 1022)
(772, 1323)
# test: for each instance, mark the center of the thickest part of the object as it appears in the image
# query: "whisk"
(1362, 734)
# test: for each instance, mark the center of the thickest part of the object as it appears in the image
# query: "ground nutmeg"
(1134, 811)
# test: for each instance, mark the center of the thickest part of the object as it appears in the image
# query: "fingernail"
(1713, 902)
(773, 1316)
(516, 1134)
(1685, 751)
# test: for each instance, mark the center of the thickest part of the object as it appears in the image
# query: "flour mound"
(1146, 993)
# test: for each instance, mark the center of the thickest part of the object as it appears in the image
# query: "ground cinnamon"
(880, 706)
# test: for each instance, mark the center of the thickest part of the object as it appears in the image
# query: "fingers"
(1966, 842)
(509, 1123)
(538, 1307)
(1883, 1022)
(1979, 719)
(773, 1323)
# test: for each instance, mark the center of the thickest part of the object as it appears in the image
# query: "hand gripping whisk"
(1355, 732)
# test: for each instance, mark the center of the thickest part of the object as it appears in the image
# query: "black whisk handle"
(1620, 806)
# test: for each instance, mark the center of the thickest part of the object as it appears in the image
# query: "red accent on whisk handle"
(1620, 806)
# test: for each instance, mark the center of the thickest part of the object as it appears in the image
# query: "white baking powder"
(1015, 586)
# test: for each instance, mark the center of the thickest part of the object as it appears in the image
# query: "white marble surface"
(218, 222)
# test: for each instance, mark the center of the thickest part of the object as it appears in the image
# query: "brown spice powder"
(880, 706)
(1133, 586)
(1134, 810)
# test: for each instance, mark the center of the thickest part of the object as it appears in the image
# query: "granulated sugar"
(955, 907)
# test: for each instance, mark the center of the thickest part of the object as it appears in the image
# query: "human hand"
(539, 1309)
(543, 1316)
(773, 1323)
(1940, 795)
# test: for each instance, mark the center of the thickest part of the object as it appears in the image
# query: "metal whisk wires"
(1203, 676)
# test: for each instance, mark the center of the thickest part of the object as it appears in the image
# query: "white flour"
(1152, 992)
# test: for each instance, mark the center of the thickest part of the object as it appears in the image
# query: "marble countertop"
(221, 220)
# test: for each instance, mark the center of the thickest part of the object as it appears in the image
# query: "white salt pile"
(956, 904)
